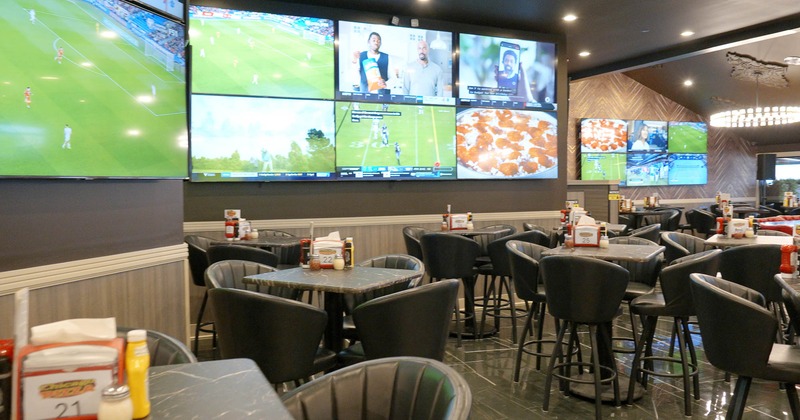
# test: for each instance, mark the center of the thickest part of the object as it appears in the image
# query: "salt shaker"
(115, 403)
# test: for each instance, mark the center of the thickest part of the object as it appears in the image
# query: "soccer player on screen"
(28, 96)
(397, 152)
(254, 81)
(32, 14)
(59, 55)
(385, 135)
(67, 137)
(376, 128)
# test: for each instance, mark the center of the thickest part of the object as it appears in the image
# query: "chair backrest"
(198, 263)
(530, 226)
(650, 232)
(671, 219)
(581, 289)
(753, 266)
(399, 261)
(524, 260)
(390, 388)
(413, 322)
(767, 211)
(794, 212)
(499, 254)
(640, 272)
(728, 315)
(281, 335)
(203, 242)
(164, 350)
(770, 232)
(791, 300)
(679, 245)
(241, 252)
(448, 256)
(229, 274)
(704, 221)
(675, 280)
(273, 232)
(411, 236)
(485, 240)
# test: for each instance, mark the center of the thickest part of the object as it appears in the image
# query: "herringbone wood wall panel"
(731, 160)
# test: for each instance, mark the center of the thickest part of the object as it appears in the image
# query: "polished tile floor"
(488, 366)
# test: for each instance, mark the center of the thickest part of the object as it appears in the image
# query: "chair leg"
(739, 399)
(458, 325)
(488, 290)
(683, 329)
(540, 309)
(598, 389)
(693, 359)
(647, 330)
(521, 344)
(199, 323)
(791, 393)
(548, 382)
(672, 340)
(505, 281)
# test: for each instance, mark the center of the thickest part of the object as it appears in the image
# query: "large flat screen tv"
(603, 135)
(238, 52)
(395, 141)
(506, 72)
(688, 169)
(647, 136)
(93, 89)
(647, 169)
(688, 137)
(395, 64)
(240, 138)
(506, 144)
(603, 167)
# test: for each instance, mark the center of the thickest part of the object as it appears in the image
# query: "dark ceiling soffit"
(700, 46)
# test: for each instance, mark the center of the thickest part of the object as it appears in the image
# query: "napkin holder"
(737, 228)
(58, 385)
(586, 235)
(459, 221)
(327, 250)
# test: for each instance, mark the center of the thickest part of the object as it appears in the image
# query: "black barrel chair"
(242, 252)
(674, 300)
(164, 350)
(390, 388)
(680, 245)
(281, 335)
(198, 263)
(732, 313)
(411, 237)
(649, 232)
(704, 222)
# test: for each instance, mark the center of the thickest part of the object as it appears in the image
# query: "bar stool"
(599, 287)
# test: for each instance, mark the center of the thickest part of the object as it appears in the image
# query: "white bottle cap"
(137, 335)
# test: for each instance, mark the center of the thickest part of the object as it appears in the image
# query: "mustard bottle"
(137, 365)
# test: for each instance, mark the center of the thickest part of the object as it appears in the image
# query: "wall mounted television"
(233, 141)
(394, 64)
(95, 89)
(506, 72)
(603, 135)
(688, 137)
(604, 167)
(173, 8)
(688, 168)
(238, 52)
(647, 169)
(647, 136)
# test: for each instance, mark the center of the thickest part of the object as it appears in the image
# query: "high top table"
(335, 284)
(725, 241)
(221, 389)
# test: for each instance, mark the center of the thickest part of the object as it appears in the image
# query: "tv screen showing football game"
(240, 138)
(647, 169)
(395, 64)
(603, 135)
(260, 54)
(688, 137)
(395, 141)
(603, 166)
(688, 169)
(506, 72)
(647, 136)
(92, 89)
(506, 144)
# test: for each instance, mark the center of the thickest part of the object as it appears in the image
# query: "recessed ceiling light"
(584, 53)
(570, 18)
(687, 33)
(688, 82)
(793, 60)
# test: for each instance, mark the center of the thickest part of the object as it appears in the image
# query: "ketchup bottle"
(788, 260)
(230, 227)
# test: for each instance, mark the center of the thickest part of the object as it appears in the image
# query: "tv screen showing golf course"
(93, 89)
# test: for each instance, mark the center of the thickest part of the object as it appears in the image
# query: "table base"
(470, 332)
(586, 391)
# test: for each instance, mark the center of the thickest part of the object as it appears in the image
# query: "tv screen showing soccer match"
(92, 89)
(688, 169)
(506, 144)
(506, 72)
(240, 52)
(647, 136)
(603, 135)
(240, 138)
(395, 64)
(395, 141)
(688, 137)
(603, 166)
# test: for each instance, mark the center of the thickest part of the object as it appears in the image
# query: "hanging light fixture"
(747, 68)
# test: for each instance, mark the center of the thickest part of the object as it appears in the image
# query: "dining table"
(220, 389)
(638, 215)
(334, 284)
(724, 241)
(614, 252)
